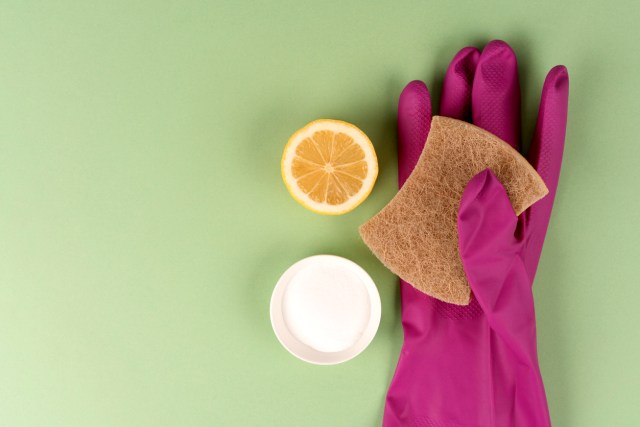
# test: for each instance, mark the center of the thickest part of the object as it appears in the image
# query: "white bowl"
(325, 309)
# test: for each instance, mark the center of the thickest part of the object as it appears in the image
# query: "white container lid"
(325, 309)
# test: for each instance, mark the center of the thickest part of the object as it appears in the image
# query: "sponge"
(416, 234)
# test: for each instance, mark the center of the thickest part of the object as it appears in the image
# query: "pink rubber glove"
(476, 365)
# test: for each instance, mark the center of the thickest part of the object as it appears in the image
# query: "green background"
(143, 221)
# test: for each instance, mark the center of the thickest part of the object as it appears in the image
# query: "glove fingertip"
(414, 123)
(560, 76)
(456, 87)
(486, 219)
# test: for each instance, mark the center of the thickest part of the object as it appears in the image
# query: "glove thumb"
(491, 259)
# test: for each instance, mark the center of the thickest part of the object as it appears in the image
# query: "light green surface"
(143, 221)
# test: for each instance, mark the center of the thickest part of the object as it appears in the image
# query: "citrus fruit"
(329, 166)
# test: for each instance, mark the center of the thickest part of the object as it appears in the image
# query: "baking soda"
(327, 307)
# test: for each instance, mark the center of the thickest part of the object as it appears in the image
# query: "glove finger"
(414, 122)
(456, 88)
(498, 278)
(489, 253)
(546, 157)
(495, 95)
(486, 224)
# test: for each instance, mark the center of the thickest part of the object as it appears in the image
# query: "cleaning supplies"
(476, 365)
(325, 309)
(329, 166)
(416, 235)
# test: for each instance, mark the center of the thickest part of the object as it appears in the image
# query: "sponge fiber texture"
(416, 234)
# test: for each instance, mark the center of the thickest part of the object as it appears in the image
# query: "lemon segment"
(329, 166)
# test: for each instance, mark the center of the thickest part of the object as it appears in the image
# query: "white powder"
(327, 306)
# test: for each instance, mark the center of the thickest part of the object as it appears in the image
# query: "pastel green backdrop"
(143, 221)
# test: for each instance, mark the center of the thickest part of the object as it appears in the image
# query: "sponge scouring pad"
(416, 234)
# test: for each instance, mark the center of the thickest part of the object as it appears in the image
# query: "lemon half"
(329, 166)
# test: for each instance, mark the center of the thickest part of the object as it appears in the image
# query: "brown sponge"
(416, 234)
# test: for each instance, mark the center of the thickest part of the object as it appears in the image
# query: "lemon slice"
(329, 166)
